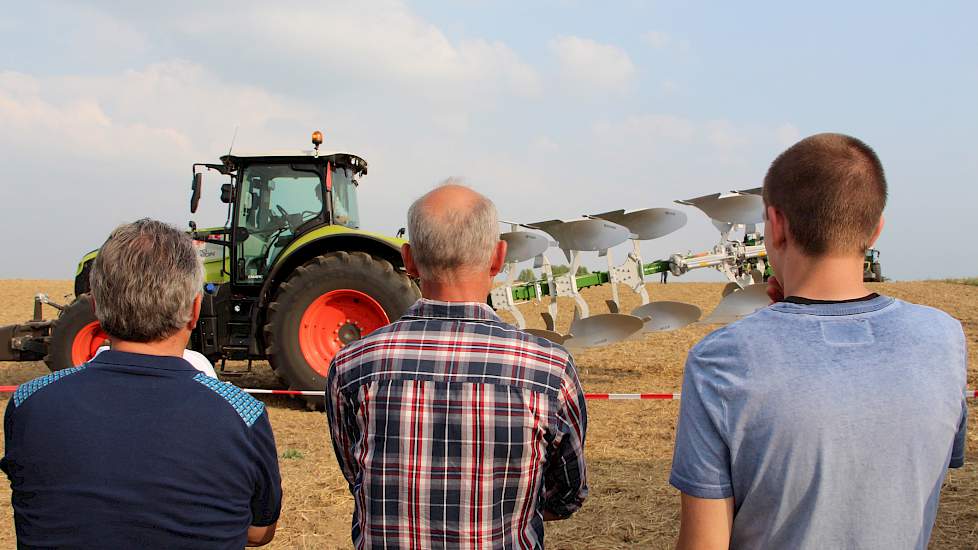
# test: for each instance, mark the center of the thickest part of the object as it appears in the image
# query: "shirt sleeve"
(266, 503)
(343, 428)
(701, 458)
(6, 464)
(961, 437)
(565, 479)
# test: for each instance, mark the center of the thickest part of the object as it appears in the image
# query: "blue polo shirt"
(138, 451)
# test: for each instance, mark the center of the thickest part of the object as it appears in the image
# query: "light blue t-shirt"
(830, 425)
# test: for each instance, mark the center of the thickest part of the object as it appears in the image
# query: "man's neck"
(822, 278)
(457, 290)
(172, 346)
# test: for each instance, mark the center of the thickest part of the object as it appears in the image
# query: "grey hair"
(144, 281)
(446, 241)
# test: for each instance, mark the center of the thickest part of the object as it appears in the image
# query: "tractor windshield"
(345, 210)
(275, 201)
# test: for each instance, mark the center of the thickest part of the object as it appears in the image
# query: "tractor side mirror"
(227, 193)
(195, 191)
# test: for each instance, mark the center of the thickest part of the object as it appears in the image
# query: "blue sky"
(553, 109)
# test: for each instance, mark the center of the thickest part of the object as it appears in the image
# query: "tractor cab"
(872, 270)
(872, 256)
(276, 197)
(290, 277)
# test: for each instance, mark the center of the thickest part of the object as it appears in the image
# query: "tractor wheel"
(75, 335)
(324, 305)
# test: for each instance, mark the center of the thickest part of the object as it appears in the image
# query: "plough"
(741, 261)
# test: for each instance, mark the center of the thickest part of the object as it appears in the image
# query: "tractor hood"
(327, 231)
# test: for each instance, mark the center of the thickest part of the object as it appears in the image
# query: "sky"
(553, 109)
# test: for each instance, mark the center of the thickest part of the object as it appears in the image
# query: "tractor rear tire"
(325, 304)
(75, 335)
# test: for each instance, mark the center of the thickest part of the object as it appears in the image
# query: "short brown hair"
(832, 190)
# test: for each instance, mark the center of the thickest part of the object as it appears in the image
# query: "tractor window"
(345, 210)
(275, 201)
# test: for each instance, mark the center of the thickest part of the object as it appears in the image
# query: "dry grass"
(629, 443)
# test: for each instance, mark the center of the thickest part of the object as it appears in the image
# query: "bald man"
(453, 428)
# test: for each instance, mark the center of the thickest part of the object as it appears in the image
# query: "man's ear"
(195, 316)
(777, 226)
(498, 258)
(876, 234)
(409, 266)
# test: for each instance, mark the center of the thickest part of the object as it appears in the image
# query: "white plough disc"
(664, 316)
(601, 330)
(737, 209)
(586, 235)
(739, 303)
(523, 245)
(647, 224)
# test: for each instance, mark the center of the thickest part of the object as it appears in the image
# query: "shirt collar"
(126, 359)
(835, 309)
(436, 309)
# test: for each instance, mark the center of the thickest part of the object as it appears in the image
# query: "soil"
(629, 446)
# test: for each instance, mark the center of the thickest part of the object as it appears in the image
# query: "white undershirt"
(196, 360)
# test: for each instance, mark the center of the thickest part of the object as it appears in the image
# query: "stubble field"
(629, 445)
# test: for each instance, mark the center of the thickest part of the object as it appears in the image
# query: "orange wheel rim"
(334, 320)
(86, 343)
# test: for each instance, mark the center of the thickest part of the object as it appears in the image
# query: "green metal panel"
(330, 231)
(538, 290)
(85, 259)
(212, 265)
(652, 268)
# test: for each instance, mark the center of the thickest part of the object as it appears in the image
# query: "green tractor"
(872, 270)
(291, 277)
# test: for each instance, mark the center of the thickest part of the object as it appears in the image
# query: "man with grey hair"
(136, 448)
(453, 428)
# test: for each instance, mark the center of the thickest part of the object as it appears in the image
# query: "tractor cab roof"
(234, 160)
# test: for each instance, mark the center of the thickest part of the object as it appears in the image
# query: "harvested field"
(629, 443)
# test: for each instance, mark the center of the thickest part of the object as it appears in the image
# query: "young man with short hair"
(829, 419)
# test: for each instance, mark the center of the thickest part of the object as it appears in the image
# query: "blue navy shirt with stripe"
(138, 451)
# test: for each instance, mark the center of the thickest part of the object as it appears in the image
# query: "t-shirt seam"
(859, 311)
(725, 488)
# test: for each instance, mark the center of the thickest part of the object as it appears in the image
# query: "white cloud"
(95, 151)
(382, 40)
(76, 124)
(167, 108)
(592, 64)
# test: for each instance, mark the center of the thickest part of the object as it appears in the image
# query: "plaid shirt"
(456, 430)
